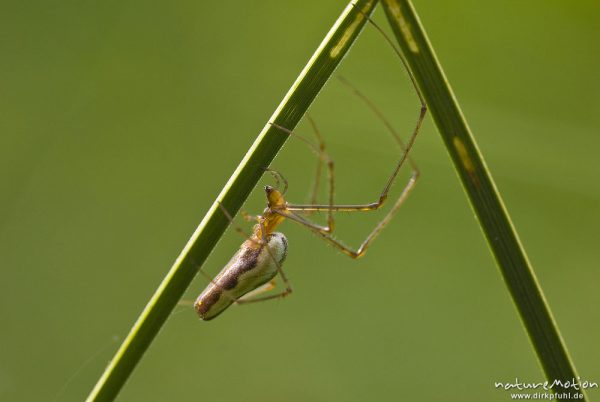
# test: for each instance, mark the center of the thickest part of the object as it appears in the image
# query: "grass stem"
(483, 194)
(292, 108)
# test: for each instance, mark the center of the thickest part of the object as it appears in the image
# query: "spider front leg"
(325, 232)
(361, 250)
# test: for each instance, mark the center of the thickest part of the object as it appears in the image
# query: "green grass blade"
(481, 190)
(296, 102)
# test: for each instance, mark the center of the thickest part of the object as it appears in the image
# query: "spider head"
(274, 197)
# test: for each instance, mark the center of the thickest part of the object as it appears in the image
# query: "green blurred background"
(121, 121)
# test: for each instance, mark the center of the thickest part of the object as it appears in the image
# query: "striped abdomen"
(252, 266)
